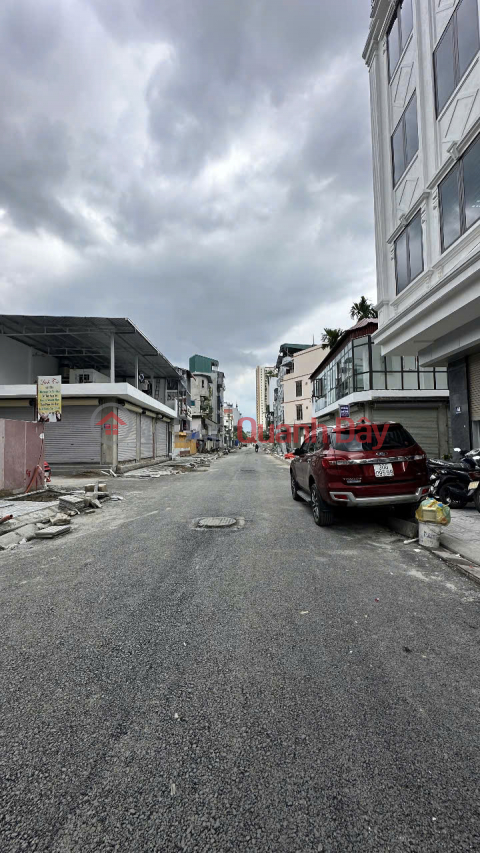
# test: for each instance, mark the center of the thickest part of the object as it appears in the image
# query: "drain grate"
(224, 522)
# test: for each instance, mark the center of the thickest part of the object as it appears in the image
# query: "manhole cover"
(219, 521)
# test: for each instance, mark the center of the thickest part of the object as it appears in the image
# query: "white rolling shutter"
(474, 385)
(161, 438)
(147, 437)
(127, 436)
(75, 438)
(421, 423)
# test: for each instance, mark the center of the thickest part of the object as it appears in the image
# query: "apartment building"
(266, 378)
(297, 387)
(207, 401)
(424, 63)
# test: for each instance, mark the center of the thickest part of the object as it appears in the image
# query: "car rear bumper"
(349, 499)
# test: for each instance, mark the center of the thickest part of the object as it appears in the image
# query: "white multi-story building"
(266, 379)
(424, 63)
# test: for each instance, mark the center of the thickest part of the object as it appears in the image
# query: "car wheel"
(294, 487)
(445, 496)
(322, 513)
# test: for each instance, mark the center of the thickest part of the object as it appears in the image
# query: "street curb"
(452, 545)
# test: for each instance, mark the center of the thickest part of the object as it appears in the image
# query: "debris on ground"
(52, 531)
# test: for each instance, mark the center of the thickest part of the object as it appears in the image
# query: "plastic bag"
(433, 511)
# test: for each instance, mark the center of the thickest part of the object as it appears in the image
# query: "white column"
(112, 358)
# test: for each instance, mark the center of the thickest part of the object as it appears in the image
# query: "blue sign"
(344, 411)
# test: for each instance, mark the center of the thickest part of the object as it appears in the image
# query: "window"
(459, 196)
(455, 50)
(405, 140)
(400, 29)
(299, 413)
(203, 383)
(396, 438)
(298, 388)
(409, 253)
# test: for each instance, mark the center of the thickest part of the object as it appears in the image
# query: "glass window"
(471, 182)
(362, 382)
(401, 262)
(394, 362)
(409, 362)
(299, 413)
(379, 381)
(411, 131)
(450, 206)
(396, 438)
(441, 380)
(398, 153)
(361, 358)
(405, 140)
(410, 381)
(399, 32)
(444, 68)
(394, 381)
(409, 253)
(455, 50)
(467, 34)
(378, 360)
(426, 380)
(393, 46)
(298, 388)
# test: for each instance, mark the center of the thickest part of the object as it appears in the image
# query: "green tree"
(363, 309)
(331, 336)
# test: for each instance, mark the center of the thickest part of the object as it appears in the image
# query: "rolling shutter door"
(127, 436)
(422, 424)
(17, 413)
(474, 385)
(75, 438)
(161, 438)
(147, 437)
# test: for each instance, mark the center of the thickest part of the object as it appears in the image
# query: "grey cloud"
(208, 160)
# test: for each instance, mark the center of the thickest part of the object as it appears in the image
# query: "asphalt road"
(274, 688)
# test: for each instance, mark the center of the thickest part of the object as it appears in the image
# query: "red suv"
(357, 467)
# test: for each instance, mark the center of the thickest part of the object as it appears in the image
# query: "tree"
(331, 336)
(363, 309)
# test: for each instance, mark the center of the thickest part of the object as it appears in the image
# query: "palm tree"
(363, 309)
(331, 336)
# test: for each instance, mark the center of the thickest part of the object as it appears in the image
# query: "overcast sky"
(202, 167)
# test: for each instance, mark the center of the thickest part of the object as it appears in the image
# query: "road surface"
(278, 687)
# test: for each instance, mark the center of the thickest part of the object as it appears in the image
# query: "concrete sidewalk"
(463, 534)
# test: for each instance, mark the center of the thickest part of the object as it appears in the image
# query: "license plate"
(384, 470)
(472, 486)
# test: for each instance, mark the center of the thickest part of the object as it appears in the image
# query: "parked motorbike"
(456, 483)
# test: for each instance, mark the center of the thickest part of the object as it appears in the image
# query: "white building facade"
(424, 62)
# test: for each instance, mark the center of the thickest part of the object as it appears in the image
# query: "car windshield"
(394, 437)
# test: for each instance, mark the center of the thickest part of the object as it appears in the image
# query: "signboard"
(344, 411)
(49, 399)
(458, 410)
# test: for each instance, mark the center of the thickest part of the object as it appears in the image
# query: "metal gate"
(75, 438)
(127, 436)
(422, 424)
(161, 429)
(146, 437)
(474, 385)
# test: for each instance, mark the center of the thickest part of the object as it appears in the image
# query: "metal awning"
(86, 342)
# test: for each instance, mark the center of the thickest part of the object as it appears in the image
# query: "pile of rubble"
(177, 466)
(22, 521)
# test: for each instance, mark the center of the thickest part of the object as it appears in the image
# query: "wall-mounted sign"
(49, 399)
(458, 410)
(344, 411)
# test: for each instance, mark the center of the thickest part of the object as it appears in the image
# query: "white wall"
(444, 275)
(18, 364)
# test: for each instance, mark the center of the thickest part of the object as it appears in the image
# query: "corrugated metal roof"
(85, 342)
